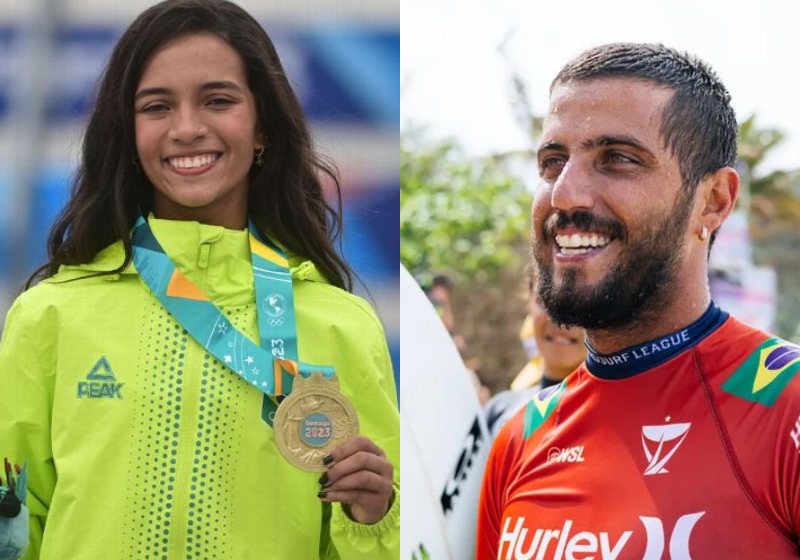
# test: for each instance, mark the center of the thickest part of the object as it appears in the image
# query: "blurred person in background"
(440, 294)
(472, 362)
(681, 429)
(192, 283)
(554, 352)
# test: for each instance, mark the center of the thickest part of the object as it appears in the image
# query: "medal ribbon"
(270, 366)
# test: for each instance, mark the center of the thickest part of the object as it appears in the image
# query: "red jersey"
(692, 455)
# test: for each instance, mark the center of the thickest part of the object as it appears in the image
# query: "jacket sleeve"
(25, 409)
(379, 420)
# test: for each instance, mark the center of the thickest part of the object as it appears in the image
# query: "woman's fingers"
(360, 476)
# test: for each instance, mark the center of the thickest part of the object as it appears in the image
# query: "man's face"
(610, 215)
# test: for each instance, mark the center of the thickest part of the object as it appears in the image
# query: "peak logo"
(100, 382)
(567, 455)
(520, 543)
(665, 439)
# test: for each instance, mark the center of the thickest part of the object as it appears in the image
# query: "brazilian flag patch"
(541, 406)
(766, 372)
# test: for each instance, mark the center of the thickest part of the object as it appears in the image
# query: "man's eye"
(619, 157)
(550, 167)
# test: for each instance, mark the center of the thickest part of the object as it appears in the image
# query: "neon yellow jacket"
(142, 446)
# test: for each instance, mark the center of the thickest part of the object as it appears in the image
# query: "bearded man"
(679, 435)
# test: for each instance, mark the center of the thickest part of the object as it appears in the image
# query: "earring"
(703, 235)
(259, 154)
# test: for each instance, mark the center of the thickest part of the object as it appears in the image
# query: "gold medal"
(313, 420)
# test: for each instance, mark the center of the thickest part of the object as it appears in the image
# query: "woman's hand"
(360, 476)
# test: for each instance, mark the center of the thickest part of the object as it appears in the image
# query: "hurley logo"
(519, 542)
(795, 434)
(660, 443)
(100, 382)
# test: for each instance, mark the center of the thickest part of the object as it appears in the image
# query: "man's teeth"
(191, 162)
(578, 244)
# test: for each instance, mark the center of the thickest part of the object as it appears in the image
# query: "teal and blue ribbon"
(269, 366)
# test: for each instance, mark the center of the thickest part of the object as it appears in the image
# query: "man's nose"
(573, 188)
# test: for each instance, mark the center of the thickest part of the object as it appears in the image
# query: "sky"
(456, 83)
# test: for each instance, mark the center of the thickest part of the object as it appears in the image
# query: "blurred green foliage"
(464, 217)
(772, 202)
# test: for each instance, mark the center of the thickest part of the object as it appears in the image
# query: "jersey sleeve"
(786, 504)
(379, 420)
(505, 450)
(26, 401)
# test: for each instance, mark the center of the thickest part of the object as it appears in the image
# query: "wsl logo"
(521, 543)
(660, 443)
(100, 383)
(567, 455)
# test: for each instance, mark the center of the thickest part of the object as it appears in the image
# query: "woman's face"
(196, 131)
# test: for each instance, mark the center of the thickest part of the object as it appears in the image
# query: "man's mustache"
(584, 221)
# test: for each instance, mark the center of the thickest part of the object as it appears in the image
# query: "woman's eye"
(220, 102)
(154, 108)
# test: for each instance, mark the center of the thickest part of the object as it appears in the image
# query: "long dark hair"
(285, 197)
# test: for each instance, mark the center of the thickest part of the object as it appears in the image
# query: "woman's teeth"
(193, 161)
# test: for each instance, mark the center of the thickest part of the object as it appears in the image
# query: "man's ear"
(718, 192)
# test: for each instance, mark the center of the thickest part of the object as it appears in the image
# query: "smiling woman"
(192, 285)
(196, 131)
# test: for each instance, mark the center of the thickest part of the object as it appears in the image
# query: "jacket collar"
(182, 241)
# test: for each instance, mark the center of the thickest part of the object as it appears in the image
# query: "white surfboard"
(444, 439)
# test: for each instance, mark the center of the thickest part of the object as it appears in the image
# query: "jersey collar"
(646, 355)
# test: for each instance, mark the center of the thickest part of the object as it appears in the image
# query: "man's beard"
(645, 268)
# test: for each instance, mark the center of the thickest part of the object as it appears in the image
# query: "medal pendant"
(313, 420)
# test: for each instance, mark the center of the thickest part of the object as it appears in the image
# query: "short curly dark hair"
(698, 126)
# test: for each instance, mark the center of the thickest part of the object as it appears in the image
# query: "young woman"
(192, 282)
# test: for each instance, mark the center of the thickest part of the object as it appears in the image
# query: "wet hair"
(698, 125)
(285, 195)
